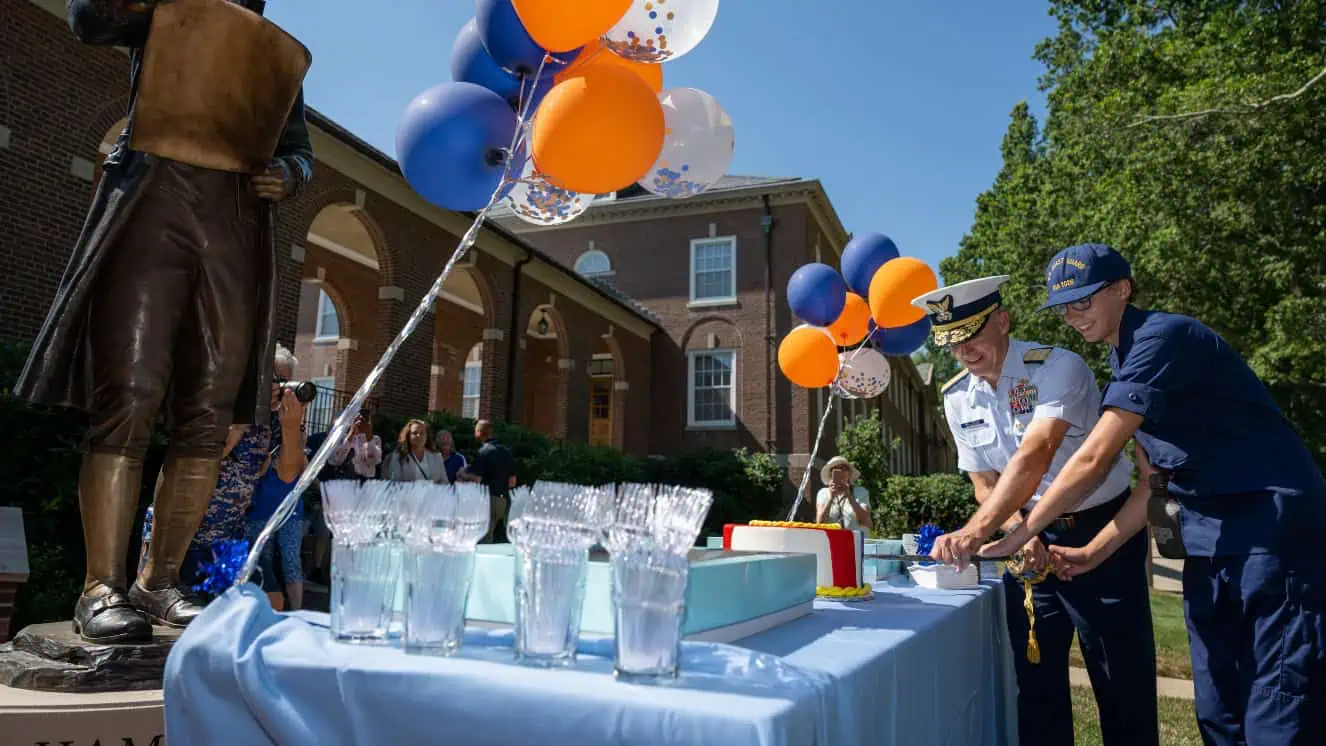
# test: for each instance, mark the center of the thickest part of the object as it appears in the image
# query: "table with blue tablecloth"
(912, 666)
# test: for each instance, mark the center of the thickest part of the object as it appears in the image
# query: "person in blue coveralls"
(1018, 412)
(1236, 494)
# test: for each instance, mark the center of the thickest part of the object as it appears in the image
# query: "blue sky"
(898, 106)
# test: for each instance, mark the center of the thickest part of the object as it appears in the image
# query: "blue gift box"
(730, 594)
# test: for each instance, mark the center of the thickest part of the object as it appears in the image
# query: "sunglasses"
(1080, 305)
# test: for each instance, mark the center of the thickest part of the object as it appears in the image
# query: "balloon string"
(819, 435)
(341, 427)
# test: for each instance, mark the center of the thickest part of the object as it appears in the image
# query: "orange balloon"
(808, 357)
(894, 286)
(558, 28)
(597, 132)
(853, 323)
(599, 54)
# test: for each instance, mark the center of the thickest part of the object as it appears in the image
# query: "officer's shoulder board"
(954, 381)
(1037, 355)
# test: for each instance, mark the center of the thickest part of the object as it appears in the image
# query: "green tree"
(1181, 132)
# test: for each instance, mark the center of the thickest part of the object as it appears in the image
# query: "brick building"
(712, 269)
(516, 337)
(664, 340)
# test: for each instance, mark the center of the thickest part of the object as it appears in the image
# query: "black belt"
(1069, 520)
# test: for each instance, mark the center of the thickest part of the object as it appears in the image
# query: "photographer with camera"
(281, 561)
(247, 452)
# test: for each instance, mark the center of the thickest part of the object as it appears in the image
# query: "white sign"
(13, 546)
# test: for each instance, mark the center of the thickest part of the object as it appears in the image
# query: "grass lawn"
(1172, 659)
(1178, 723)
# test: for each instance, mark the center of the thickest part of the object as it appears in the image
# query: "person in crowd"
(247, 449)
(841, 500)
(494, 467)
(1236, 494)
(1018, 412)
(413, 459)
(453, 459)
(281, 561)
(362, 448)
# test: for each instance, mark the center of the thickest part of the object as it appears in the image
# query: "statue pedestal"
(55, 688)
(52, 658)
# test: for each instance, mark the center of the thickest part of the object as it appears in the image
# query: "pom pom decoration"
(452, 143)
(598, 131)
(559, 28)
(808, 357)
(925, 540)
(894, 286)
(816, 294)
(220, 573)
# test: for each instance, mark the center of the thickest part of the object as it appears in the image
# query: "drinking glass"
(447, 522)
(550, 593)
(357, 513)
(649, 591)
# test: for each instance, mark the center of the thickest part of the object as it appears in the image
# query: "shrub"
(946, 500)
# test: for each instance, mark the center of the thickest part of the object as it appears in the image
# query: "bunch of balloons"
(554, 102)
(871, 298)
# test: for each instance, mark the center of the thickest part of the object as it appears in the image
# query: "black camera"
(304, 391)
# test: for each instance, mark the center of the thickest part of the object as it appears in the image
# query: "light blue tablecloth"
(910, 667)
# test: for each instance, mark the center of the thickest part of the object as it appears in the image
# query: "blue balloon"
(509, 44)
(816, 293)
(862, 258)
(471, 63)
(452, 142)
(903, 340)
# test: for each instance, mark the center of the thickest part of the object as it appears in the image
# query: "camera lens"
(306, 391)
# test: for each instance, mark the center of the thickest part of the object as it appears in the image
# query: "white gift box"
(944, 576)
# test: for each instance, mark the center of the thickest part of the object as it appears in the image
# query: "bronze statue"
(166, 304)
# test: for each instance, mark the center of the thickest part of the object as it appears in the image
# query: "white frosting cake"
(840, 553)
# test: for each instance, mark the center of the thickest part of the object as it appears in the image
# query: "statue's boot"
(108, 486)
(186, 489)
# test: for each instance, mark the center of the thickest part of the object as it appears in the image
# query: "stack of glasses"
(402, 556)
(552, 528)
(423, 535)
(649, 538)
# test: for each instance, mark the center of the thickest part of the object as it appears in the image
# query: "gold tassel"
(1033, 648)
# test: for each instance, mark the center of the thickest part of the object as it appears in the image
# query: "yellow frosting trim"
(794, 524)
(848, 592)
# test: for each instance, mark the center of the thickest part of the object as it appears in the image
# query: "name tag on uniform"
(1022, 397)
(972, 424)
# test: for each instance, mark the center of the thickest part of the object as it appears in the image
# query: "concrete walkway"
(1166, 574)
(1175, 688)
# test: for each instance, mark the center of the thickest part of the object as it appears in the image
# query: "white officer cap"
(959, 312)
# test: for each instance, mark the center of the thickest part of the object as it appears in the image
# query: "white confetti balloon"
(661, 30)
(536, 200)
(863, 374)
(697, 148)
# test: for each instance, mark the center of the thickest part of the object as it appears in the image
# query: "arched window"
(593, 263)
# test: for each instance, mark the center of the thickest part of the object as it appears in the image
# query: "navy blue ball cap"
(1078, 271)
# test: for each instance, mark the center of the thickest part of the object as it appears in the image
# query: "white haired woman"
(841, 501)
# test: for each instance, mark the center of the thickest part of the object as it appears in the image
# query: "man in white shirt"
(1018, 412)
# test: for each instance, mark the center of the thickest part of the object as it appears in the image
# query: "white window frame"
(595, 253)
(324, 301)
(731, 297)
(695, 424)
(477, 398)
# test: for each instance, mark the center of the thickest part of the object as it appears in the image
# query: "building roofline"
(328, 125)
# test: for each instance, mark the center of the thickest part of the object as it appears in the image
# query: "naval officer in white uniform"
(1018, 412)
